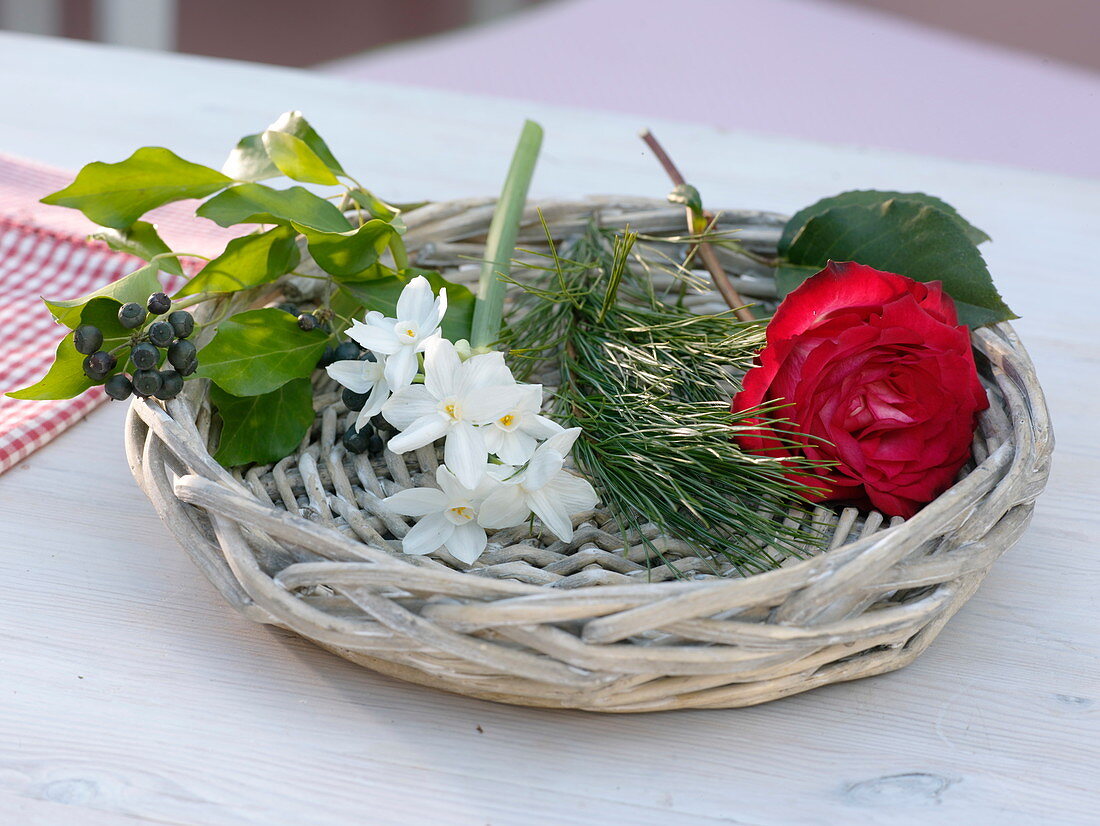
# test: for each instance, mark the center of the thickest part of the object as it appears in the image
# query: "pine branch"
(649, 384)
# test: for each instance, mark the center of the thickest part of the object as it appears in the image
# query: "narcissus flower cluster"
(502, 459)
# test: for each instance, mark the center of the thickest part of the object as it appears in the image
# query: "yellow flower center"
(507, 419)
(449, 409)
(463, 513)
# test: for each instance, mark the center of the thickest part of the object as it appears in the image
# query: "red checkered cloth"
(43, 252)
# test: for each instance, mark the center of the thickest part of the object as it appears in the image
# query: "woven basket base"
(306, 545)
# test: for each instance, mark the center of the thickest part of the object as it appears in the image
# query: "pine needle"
(649, 383)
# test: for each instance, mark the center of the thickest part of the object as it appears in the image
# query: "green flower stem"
(501, 242)
(177, 256)
(192, 300)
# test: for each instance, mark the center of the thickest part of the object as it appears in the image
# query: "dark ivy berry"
(118, 387)
(354, 401)
(146, 382)
(144, 355)
(367, 356)
(327, 357)
(307, 322)
(183, 323)
(159, 304)
(287, 307)
(171, 383)
(375, 445)
(131, 316)
(87, 339)
(356, 441)
(184, 357)
(99, 364)
(348, 351)
(161, 333)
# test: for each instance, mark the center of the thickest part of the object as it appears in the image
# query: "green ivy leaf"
(381, 294)
(249, 161)
(374, 205)
(65, 378)
(263, 428)
(351, 252)
(871, 197)
(117, 194)
(137, 286)
(256, 351)
(140, 239)
(259, 204)
(347, 307)
(247, 262)
(905, 237)
(296, 160)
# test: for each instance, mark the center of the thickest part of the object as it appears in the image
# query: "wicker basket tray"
(306, 544)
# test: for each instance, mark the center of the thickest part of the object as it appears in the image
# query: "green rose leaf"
(908, 238)
(257, 351)
(259, 204)
(137, 286)
(871, 197)
(247, 262)
(789, 276)
(381, 294)
(689, 196)
(296, 160)
(351, 252)
(117, 194)
(263, 428)
(65, 378)
(140, 239)
(250, 161)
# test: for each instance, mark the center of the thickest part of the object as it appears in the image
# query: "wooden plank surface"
(129, 693)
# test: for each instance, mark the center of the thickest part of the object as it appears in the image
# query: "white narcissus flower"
(455, 398)
(448, 516)
(514, 436)
(544, 487)
(364, 377)
(419, 314)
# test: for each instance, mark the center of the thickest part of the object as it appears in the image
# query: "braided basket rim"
(587, 647)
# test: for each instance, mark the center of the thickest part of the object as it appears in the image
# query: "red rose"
(876, 375)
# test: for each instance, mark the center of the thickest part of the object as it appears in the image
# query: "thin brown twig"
(706, 251)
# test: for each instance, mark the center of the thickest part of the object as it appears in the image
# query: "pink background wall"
(1067, 30)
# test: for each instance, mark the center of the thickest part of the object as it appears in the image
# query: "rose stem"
(706, 251)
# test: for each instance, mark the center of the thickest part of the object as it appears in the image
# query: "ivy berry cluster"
(156, 329)
(369, 438)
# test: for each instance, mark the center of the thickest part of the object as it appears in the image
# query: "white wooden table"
(129, 693)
